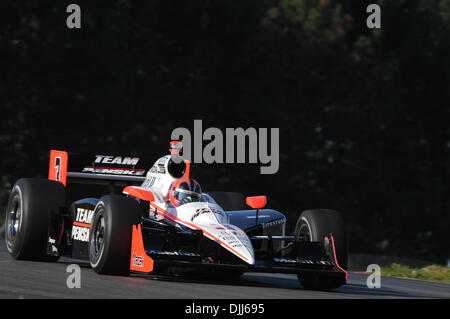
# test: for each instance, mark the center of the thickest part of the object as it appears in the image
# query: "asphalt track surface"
(25, 279)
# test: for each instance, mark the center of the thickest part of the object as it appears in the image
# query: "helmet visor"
(183, 194)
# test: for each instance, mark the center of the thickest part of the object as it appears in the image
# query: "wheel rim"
(305, 232)
(14, 220)
(97, 242)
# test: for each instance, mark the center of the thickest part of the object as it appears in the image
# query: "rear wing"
(97, 169)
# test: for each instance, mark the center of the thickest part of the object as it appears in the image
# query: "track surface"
(24, 279)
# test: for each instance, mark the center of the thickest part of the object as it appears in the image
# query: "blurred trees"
(363, 114)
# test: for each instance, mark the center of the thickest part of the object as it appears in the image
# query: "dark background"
(363, 114)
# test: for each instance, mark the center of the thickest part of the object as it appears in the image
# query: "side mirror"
(256, 202)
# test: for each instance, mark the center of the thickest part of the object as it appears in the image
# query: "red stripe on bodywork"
(81, 224)
(139, 193)
(335, 258)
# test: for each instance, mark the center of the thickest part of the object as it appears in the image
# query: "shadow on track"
(355, 288)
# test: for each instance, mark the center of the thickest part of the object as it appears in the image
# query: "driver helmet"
(184, 191)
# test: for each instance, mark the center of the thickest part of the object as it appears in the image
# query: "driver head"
(183, 191)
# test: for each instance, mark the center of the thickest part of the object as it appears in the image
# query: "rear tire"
(110, 234)
(28, 217)
(314, 225)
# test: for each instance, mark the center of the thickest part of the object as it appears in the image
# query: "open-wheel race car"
(163, 222)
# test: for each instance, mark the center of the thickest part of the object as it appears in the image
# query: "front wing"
(156, 248)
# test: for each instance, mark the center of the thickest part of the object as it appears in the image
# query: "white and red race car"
(164, 223)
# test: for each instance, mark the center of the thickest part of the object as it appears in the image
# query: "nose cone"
(234, 240)
(241, 248)
(249, 255)
(244, 246)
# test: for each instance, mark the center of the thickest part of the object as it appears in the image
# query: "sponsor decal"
(114, 171)
(81, 224)
(200, 211)
(173, 253)
(84, 215)
(138, 260)
(302, 261)
(132, 161)
(80, 233)
(158, 169)
(274, 222)
(52, 246)
(234, 237)
(227, 238)
(162, 160)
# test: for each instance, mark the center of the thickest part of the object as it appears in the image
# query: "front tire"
(314, 225)
(28, 217)
(110, 234)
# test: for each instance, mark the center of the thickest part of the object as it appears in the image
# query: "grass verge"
(432, 272)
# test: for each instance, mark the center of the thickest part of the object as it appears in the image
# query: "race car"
(164, 223)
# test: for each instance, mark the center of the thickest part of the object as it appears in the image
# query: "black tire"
(110, 234)
(28, 216)
(314, 225)
(229, 200)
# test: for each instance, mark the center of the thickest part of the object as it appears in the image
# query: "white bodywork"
(204, 215)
